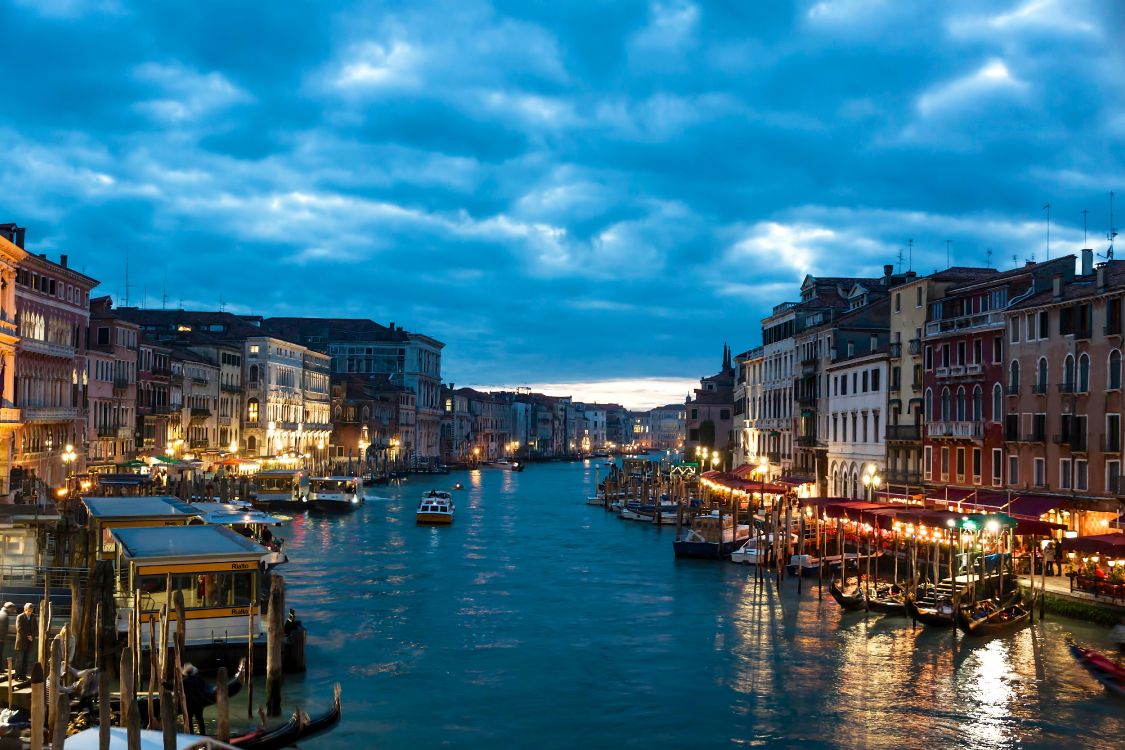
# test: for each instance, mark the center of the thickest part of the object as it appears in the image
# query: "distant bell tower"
(726, 357)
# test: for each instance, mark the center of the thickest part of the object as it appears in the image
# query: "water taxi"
(435, 507)
(335, 494)
(282, 489)
(106, 514)
(712, 535)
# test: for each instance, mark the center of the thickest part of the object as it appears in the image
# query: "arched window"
(961, 404)
(251, 443)
(252, 411)
(1084, 373)
(1014, 376)
(945, 404)
(929, 406)
(978, 403)
(1068, 374)
(1041, 375)
(1114, 375)
(253, 374)
(997, 402)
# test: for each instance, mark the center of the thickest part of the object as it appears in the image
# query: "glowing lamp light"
(993, 526)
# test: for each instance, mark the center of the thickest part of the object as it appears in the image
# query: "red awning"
(795, 480)
(1109, 544)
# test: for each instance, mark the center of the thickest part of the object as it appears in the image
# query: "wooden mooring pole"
(274, 645)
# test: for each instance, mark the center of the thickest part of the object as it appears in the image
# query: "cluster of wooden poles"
(50, 694)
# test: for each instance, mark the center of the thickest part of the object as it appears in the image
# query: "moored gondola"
(852, 602)
(938, 615)
(888, 600)
(299, 727)
(988, 618)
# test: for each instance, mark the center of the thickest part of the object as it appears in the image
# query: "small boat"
(517, 466)
(987, 617)
(888, 599)
(299, 727)
(435, 507)
(711, 536)
(852, 602)
(284, 489)
(750, 553)
(458, 486)
(595, 500)
(1103, 669)
(335, 494)
(937, 615)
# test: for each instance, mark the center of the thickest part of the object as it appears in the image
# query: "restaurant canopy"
(729, 481)
(1105, 544)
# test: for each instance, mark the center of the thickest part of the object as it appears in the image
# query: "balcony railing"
(1111, 443)
(49, 413)
(9, 415)
(966, 429)
(1040, 388)
(974, 369)
(197, 443)
(902, 476)
(896, 349)
(964, 323)
(1066, 387)
(199, 381)
(806, 441)
(910, 432)
(231, 388)
(1118, 484)
(120, 384)
(1012, 390)
(773, 456)
(162, 372)
(46, 347)
(1035, 436)
(107, 430)
(915, 346)
(200, 413)
(1084, 332)
(806, 399)
(1112, 328)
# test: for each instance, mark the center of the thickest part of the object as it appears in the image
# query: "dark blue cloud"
(561, 191)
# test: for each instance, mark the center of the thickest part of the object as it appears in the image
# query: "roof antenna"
(1084, 212)
(1015, 260)
(164, 296)
(1047, 208)
(988, 258)
(947, 254)
(910, 257)
(1112, 230)
(900, 260)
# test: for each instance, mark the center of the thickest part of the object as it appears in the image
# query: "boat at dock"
(340, 494)
(889, 599)
(711, 536)
(987, 617)
(595, 500)
(808, 565)
(935, 614)
(435, 508)
(281, 489)
(852, 602)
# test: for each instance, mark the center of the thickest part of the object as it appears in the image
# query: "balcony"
(199, 381)
(948, 326)
(46, 347)
(49, 414)
(196, 443)
(806, 441)
(1118, 484)
(1012, 390)
(902, 476)
(1066, 387)
(120, 384)
(200, 413)
(959, 429)
(1035, 436)
(230, 388)
(1112, 329)
(904, 432)
(955, 371)
(915, 346)
(161, 372)
(1040, 389)
(807, 399)
(9, 416)
(896, 349)
(252, 385)
(773, 456)
(1084, 332)
(975, 369)
(1111, 443)
(107, 430)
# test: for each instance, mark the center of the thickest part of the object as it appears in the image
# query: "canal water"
(537, 621)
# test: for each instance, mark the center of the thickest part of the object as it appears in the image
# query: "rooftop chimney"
(1101, 276)
(62, 260)
(1056, 282)
(391, 325)
(43, 256)
(1087, 261)
(18, 236)
(888, 269)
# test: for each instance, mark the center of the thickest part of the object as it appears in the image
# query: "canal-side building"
(750, 437)
(154, 375)
(52, 304)
(905, 386)
(1063, 423)
(112, 374)
(666, 427)
(360, 346)
(967, 381)
(11, 255)
(857, 400)
(710, 412)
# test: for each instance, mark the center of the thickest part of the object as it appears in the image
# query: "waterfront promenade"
(536, 620)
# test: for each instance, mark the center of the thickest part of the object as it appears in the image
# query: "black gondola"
(938, 615)
(299, 727)
(851, 602)
(996, 619)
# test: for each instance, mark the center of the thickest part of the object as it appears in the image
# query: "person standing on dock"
(6, 612)
(27, 625)
(195, 695)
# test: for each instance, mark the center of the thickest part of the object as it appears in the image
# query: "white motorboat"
(335, 494)
(435, 507)
(595, 500)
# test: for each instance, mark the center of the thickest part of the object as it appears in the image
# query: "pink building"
(112, 373)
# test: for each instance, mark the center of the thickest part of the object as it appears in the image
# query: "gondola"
(1103, 669)
(888, 600)
(938, 615)
(1000, 619)
(299, 727)
(210, 694)
(851, 602)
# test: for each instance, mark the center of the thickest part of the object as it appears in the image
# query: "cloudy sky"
(564, 192)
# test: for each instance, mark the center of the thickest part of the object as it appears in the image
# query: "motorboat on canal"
(435, 508)
(713, 536)
(281, 489)
(1106, 671)
(339, 494)
(518, 466)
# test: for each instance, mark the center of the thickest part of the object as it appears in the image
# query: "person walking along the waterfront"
(27, 625)
(6, 612)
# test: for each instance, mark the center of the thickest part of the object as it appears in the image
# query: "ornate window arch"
(978, 403)
(1113, 376)
(1084, 373)
(997, 402)
(1014, 375)
(1068, 372)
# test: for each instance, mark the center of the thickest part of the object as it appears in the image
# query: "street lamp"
(476, 455)
(871, 481)
(69, 457)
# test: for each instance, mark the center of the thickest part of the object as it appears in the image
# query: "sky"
(589, 194)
